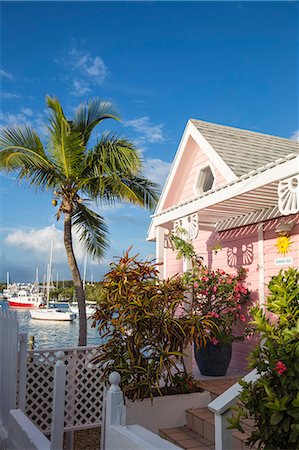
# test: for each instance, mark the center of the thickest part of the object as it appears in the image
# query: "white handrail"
(224, 401)
(221, 409)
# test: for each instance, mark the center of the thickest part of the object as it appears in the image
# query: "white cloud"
(27, 112)
(149, 132)
(38, 241)
(157, 170)
(13, 119)
(8, 95)
(92, 67)
(25, 117)
(295, 136)
(80, 88)
(7, 75)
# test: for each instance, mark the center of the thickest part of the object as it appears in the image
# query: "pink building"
(233, 191)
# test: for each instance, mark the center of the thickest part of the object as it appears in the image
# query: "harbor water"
(51, 334)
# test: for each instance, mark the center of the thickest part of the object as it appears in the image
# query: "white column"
(188, 358)
(57, 427)
(115, 413)
(223, 436)
(160, 250)
(22, 371)
(261, 264)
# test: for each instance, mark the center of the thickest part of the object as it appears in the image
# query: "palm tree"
(107, 172)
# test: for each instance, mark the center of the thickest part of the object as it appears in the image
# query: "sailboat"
(52, 311)
(89, 307)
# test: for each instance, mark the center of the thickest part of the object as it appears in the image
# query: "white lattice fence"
(84, 391)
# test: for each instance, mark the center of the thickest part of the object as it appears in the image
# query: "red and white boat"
(26, 299)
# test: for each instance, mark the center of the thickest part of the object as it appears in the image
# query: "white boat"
(90, 309)
(53, 312)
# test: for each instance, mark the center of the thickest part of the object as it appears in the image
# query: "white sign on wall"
(284, 261)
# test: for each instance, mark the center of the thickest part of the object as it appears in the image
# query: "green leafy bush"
(137, 317)
(273, 400)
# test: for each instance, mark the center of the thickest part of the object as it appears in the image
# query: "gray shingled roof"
(244, 150)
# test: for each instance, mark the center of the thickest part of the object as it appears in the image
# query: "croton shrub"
(273, 400)
(144, 326)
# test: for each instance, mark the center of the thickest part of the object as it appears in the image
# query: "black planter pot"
(213, 360)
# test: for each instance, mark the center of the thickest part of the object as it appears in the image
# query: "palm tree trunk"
(68, 243)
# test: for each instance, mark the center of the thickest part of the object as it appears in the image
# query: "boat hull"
(89, 310)
(52, 314)
(20, 304)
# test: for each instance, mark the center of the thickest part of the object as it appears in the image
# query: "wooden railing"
(221, 409)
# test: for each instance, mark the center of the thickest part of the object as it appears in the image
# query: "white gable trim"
(264, 176)
(212, 155)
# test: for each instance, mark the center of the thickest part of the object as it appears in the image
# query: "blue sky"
(161, 63)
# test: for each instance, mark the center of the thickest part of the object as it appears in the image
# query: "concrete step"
(201, 421)
(186, 439)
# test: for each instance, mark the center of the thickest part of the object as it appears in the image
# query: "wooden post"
(160, 250)
(22, 371)
(57, 426)
(261, 265)
(223, 436)
(31, 342)
(115, 410)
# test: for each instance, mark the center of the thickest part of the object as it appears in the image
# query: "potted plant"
(216, 295)
(222, 297)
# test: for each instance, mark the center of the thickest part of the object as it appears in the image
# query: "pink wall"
(240, 248)
(271, 251)
(184, 180)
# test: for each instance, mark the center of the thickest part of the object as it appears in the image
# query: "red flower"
(280, 368)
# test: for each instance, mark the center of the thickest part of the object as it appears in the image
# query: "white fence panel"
(84, 390)
(9, 363)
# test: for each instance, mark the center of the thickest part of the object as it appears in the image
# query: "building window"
(205, 180)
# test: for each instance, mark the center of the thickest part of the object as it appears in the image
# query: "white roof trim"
(212, 155)
(271, 172)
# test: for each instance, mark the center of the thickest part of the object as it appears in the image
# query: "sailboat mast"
(36, 279)
(50, 270)
(84, 273)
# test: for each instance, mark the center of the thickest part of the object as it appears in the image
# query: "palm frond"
(22, 151)
(66, 145)
(23, 139)
(113, 154)
(113, 189)
(89, 115)
(146, 191)
(92, 231)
